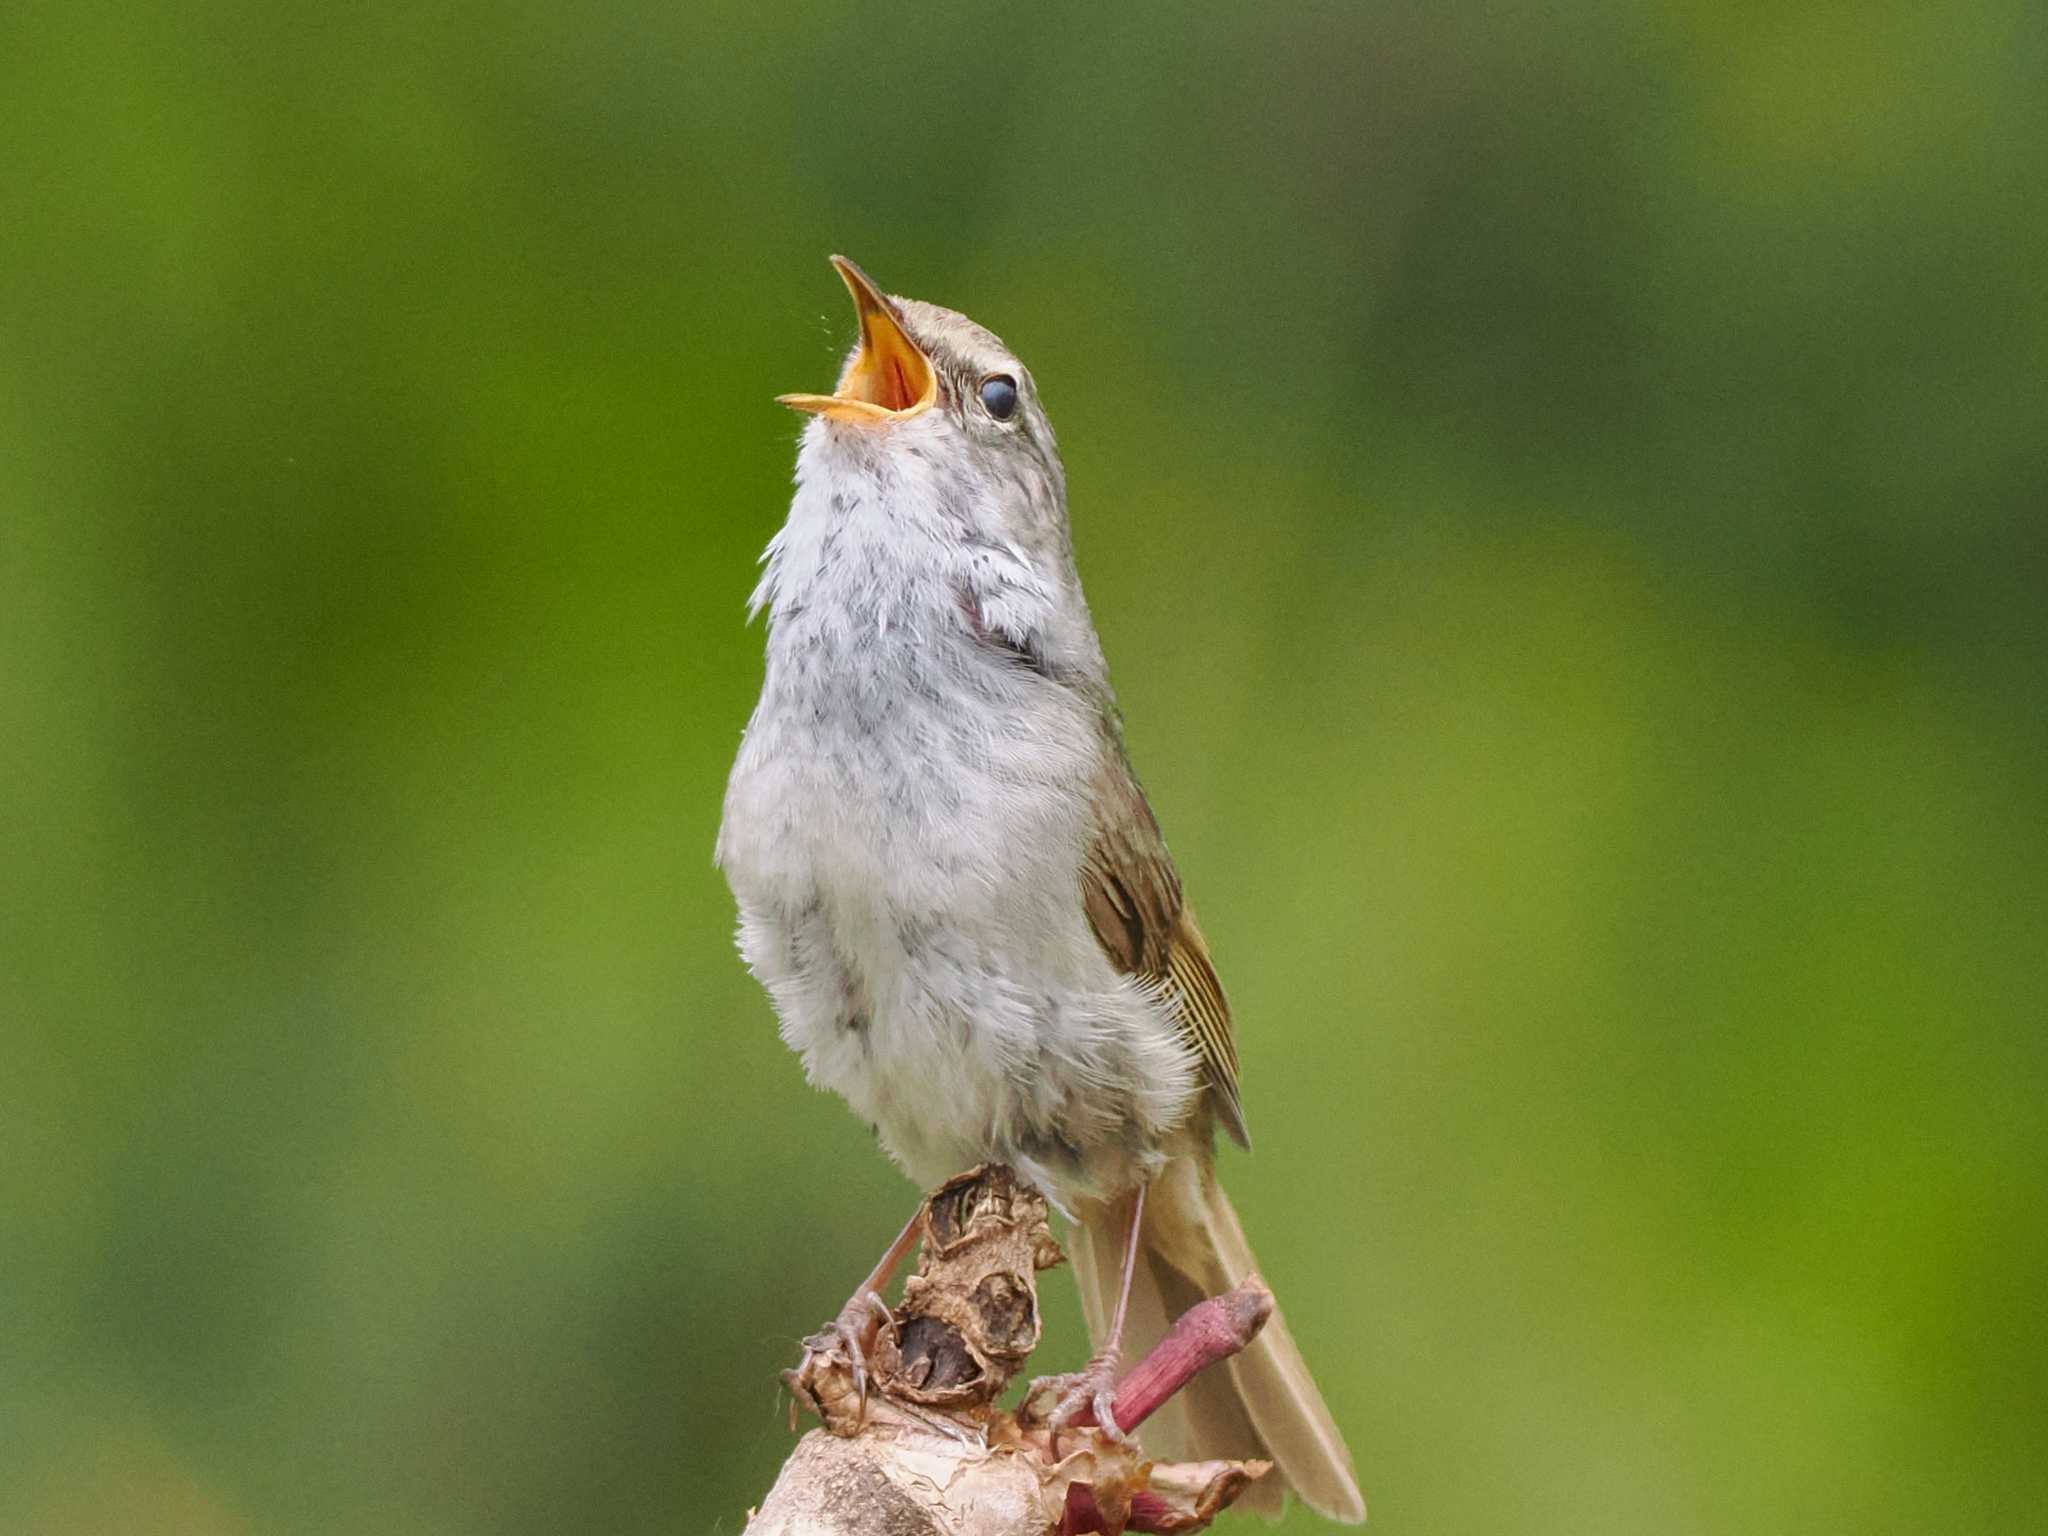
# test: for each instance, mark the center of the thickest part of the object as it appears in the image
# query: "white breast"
(904, 830)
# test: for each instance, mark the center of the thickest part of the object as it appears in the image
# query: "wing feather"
(1134, 903)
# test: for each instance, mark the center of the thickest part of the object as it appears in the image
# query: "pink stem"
(1209, 1331)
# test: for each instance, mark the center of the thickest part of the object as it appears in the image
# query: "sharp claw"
(1093, 1387)
(842, 1336)
(800, 1393)
(881, 1308)
(1104, 1418)
(850, 1333)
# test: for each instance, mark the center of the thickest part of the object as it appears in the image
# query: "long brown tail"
(1262, 1402)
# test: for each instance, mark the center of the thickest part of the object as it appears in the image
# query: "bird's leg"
(1092, 1388)
(852, 1333)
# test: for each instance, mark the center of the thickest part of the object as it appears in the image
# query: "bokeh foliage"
(1563, 489)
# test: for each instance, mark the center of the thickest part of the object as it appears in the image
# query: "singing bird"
(951, 884)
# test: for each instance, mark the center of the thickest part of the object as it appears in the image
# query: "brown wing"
(1134, 903)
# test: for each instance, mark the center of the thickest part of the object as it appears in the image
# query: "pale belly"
(905, 837)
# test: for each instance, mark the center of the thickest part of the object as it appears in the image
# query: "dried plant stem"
(925, 1452)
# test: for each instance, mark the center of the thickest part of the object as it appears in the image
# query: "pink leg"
(885, 1270)
(1113, 1345)
(855, 1327)
(1089, 1389)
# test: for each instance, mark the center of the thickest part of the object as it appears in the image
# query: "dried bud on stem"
(924, 1451)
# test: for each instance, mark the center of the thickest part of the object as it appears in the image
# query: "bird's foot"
(842, 1344)
(1075, 1394)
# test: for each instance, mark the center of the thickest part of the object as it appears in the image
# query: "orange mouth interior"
(887, 371)
(889, 378)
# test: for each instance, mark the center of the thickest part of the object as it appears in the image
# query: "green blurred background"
(1563, 488)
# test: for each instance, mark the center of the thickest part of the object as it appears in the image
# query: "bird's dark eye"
(999, 396)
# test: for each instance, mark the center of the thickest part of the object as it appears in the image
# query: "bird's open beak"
(889, 378)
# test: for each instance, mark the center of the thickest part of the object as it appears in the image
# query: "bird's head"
(927, 391)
